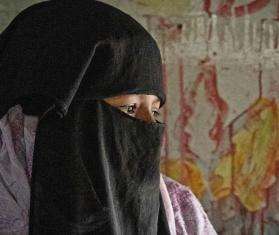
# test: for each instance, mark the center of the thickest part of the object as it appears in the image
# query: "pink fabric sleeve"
(189, 216)
(17, 136)
(168, 206)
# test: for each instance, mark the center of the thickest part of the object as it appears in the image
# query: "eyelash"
(133, 106)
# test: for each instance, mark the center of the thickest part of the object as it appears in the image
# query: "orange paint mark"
(187, 173)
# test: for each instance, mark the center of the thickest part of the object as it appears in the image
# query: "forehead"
(135, 98)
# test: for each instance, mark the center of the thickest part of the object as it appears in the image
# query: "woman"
(85, 79)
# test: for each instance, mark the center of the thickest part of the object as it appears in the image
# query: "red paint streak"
(262, 222)
(164, 23)
(232, 151)
(252, 7)
(165, 112)
(208, 77)
(275, 43)
(206, 6)
(225, 9)
(252, 224)
(182, 121)
(172, 30)
(260, 81)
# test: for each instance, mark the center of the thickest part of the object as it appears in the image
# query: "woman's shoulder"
(181, 194)
(188, 211)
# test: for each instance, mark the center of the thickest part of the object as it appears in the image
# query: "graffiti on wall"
(223, 110)
(220, 66)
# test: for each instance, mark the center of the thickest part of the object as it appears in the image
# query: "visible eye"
(129, 109)
(156, 113)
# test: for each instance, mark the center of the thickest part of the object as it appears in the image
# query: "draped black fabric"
(95, 168)
(62, 49)
(104, 181)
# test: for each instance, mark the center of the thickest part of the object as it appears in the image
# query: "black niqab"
(95, 168)
(104, 181)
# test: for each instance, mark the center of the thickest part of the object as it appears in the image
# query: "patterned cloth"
(189, 216)
(185, 214)
(17, 135)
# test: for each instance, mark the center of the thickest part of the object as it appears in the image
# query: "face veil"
(96, 172)
(95, 168)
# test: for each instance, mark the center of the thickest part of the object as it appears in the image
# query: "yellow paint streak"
(252, 166)
(220, 181)
(187, 173)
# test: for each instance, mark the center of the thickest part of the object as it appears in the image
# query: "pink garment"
(189, 216)
(17, 135)
(185, 214)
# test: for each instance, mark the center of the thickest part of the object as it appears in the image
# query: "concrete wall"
(221, 77)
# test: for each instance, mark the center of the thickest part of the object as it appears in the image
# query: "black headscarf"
(82, 49)
(95, 168)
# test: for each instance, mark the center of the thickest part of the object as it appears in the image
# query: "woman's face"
(142, 106)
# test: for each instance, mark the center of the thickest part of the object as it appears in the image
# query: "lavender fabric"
(189, 216)
(17, 135)
(185, 214)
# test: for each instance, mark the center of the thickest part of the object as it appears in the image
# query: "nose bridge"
(145, 114)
